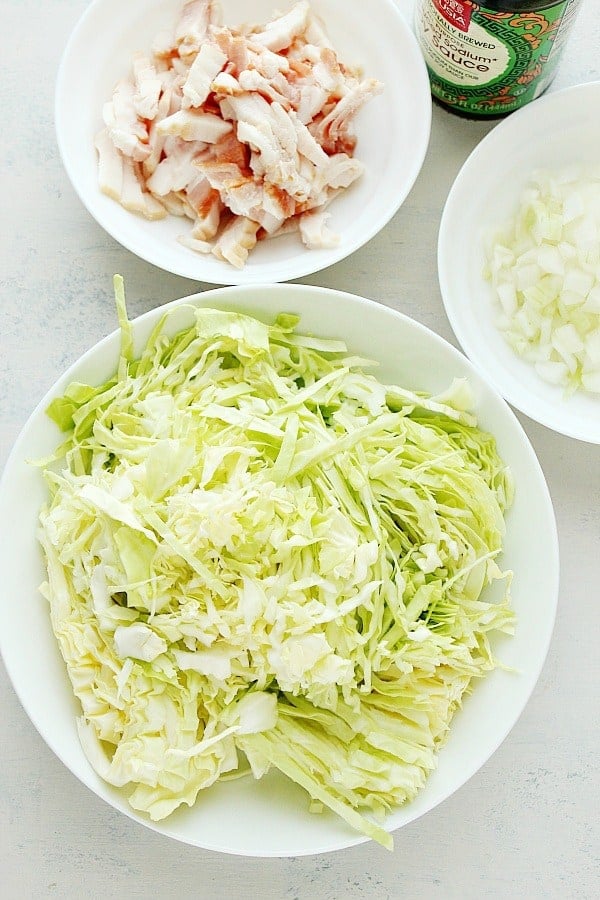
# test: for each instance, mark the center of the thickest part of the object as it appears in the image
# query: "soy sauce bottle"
(487, 59)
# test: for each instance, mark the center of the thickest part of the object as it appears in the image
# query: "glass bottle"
(487, 59)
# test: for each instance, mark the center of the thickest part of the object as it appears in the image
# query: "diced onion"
(544, 266)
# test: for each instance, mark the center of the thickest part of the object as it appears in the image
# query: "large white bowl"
(557, 130)
(392, 129)
(270, 817)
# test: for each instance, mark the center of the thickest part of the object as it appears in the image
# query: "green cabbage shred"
(260, 556)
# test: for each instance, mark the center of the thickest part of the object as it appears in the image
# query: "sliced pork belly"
(194, 125)
(280, 33)
(236, 241)
(205, 68)
(245, 131)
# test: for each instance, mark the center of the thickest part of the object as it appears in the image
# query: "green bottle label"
(488, 62)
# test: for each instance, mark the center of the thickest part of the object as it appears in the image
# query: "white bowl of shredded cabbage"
(233, 187)
(290, 599)
(519, 260)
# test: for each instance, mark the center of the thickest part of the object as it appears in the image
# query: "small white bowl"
(557, 130)
(392, 130)
(270, 817)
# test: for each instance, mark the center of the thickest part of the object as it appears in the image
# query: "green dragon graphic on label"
(486, 61)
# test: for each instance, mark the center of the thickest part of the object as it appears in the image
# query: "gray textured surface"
(527, 824)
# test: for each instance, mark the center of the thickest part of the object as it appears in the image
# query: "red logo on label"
(457, 12)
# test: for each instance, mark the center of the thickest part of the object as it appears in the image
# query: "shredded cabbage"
(259, 555)
(544, 265)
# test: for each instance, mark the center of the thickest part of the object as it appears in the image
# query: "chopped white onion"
(544, 266)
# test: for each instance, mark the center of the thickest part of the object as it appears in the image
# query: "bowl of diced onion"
(237, 142)
(519, 260)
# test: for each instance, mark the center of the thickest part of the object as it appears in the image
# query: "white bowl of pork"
(237, 153)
